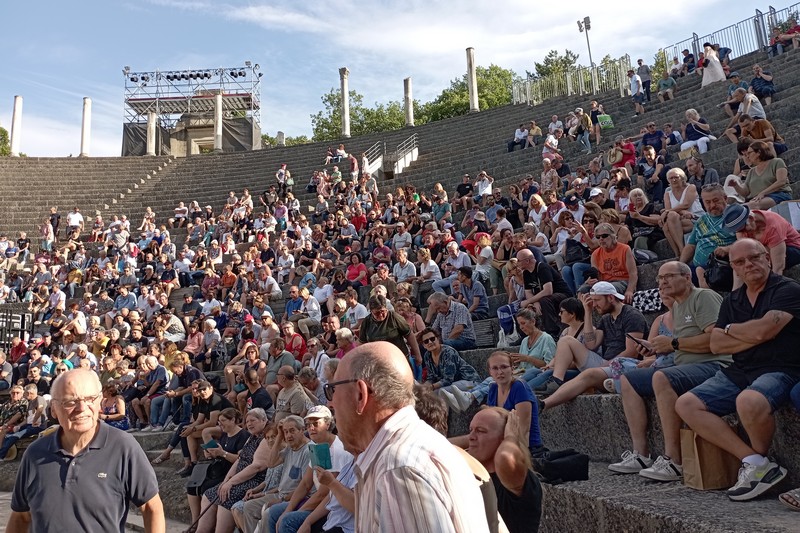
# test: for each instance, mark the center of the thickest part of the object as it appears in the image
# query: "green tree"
(327, 124)
(554, 63)
(5, 144)
(269, 140)
(494, 89)
(660, 64)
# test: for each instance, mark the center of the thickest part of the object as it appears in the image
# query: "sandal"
(791, 499)
(160, 459)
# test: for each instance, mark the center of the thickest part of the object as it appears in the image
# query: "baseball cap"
(597, 191)
(604, 288)
(382, 266)
(248, 318)
(319, 411)
(571, 200)
(734, 74)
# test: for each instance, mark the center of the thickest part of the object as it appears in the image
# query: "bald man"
(494, 440)
(82, 477)
(410, 478)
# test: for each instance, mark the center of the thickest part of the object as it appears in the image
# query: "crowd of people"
(557, 248)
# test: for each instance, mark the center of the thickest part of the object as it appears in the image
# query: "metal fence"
(749, 35)
(579, 81)
(744, 37)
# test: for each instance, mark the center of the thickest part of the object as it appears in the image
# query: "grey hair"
(345, 334)
(388, 387)
(438, 298)
(258, 413)
(307, 373)
(294, 419)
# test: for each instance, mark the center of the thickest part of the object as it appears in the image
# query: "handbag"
(212, 472)
(614, 156)
(575, 252)
(605, 121)
(719, 274)
(706, 466)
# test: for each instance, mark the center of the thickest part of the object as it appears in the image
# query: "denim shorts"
(719, 393)
(638, 98)
(779, 197)
(682, 378)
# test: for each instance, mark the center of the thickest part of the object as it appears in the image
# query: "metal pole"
(591, 63)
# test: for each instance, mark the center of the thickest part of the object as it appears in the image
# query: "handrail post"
(569, 83)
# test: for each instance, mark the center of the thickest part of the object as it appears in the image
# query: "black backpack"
(564, 465)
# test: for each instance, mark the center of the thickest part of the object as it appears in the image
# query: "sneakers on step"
(547, 388)
(463, 398)
(147, 429)
(449, 400)
(157, 429)
(663, 469)
(170, 426)
(632, 463)
(755, 480)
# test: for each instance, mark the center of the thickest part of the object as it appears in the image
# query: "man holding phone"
(694, 313)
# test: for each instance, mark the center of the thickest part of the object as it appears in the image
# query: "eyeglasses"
(429, 340)
(72, 404)
(499, 368)
(663, 277)
(750, 258)
(603, 235)
(329, 388)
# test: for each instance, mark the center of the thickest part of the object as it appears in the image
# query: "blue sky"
(58, 52)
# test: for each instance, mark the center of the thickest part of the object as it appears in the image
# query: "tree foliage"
(494, 89)
(5, 143)
(555, 63)
(269, 140)
(660, 65)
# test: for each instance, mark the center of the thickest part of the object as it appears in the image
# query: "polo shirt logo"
(688, 319)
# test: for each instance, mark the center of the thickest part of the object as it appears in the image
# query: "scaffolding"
(176, 94)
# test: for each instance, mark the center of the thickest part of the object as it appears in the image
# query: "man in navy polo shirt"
(92, 470)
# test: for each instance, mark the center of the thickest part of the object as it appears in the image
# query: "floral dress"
(122, 424)
(238, 491)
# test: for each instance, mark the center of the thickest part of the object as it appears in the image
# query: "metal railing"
(405, 154)
(749, 35)
(406, 146)
(578, 81)
(375, 151)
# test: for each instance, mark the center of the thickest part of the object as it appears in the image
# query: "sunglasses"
(603, 236)
(429, 340)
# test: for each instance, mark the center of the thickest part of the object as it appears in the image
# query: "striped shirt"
(411, 479)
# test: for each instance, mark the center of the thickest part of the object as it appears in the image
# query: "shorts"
(593, 360)
(779, 197)
(638, 98)
(719, 393)
(682, 378)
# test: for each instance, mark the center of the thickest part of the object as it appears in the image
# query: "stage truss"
(173, 94)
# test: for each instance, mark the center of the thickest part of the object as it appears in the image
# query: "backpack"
(556, 467)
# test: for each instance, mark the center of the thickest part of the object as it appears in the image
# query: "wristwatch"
(674, 343)
(727, 329)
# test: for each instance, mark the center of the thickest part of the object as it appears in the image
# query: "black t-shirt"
(464, 189)
(310, 254)
(267, 255)
(543, 274)
(259, 398)
(776, 355)
(23, 244)
(55, 219)
(215, 403)
(522, 513)
(563, 171)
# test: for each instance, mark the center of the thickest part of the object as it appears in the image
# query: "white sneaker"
(755, 480)
(632, 463)
(148, 429)
(450, 400)
(663, 470)
(170, 426)
(157, 429)
(463, 398)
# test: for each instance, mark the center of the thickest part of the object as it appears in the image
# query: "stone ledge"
(609, 503)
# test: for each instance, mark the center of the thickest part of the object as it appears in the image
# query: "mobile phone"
(640, 342)
(210, 444)
(321, 455)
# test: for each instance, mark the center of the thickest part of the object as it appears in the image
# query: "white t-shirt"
(354, 314)
(433, 268)
(486, 267)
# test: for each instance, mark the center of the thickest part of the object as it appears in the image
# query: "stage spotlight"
(260, 74)
(234, 74)
(207, 75)
(247, 63)
(184, 76)
(134, 79)
(145, 78)
(126, 70)
(242, 73)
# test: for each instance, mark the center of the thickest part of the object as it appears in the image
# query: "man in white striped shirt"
(410, 478)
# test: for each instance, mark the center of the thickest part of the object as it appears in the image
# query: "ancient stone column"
(16, 126)
(218, 123)
(152, 120)
(343, 74)
(408, 101)
(472, 81)
(86, 127)
(281, 138)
